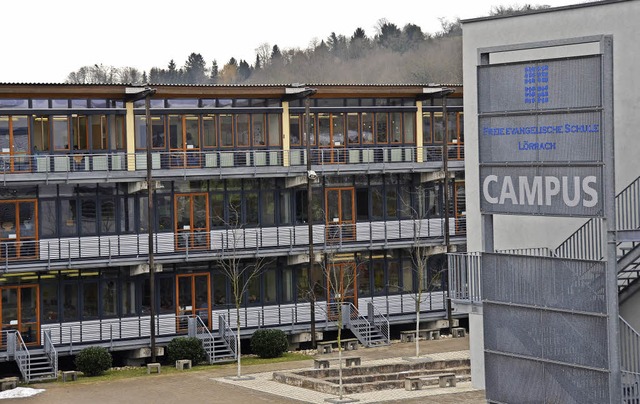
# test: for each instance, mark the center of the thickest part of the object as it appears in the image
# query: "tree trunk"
(238, 350)
(419, 297)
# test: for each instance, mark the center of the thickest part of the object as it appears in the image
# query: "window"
(364, 280)
(41, 133)
(367, 127)
(209, 131)
(275, 133)
(60, 133)
(409, 124)
(396, 127)
(109, 296)
(90, 298)
(269, 286)
(242, 130)
(426, 128)
(294, 129)
(382, 128)
(226, 130)
(258, 130)
(353, 134)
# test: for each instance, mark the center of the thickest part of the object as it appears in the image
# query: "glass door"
(331, 138)
(14, 144)
(18, 229)
(184, 141)
(193, 293)
(21, 312)
(341, 224)
(192, 221)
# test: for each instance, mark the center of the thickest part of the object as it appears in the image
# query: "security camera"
(312, 175)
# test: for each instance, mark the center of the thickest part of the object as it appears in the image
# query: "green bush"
(93, 361)
(269, 343)
(186, 348)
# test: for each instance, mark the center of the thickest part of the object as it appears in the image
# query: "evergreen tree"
(195, 70)
(214, 72)
(244, 70)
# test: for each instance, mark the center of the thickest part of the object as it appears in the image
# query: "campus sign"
(541, 137)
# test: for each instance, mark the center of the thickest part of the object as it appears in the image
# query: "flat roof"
(545, 10)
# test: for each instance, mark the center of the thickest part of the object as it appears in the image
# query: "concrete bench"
(182, 364)
(348, 361)
(69, 376)
(458, 332)
(410, 335)
(8, 383)
(349, 344)
(415, 382)
(153, 367)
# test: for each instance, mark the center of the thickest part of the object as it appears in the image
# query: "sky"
(45, 40)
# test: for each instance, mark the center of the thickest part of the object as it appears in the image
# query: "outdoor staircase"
(367, 334)
(586, 242)
(371, 329)
(40, 367)
(218, 350)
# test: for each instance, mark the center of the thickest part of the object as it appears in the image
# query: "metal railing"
(63, 252)
(465, 277)
(50, 351)
(198, 329)
(630, 362)
(533, 251)
(227, 334)
(219, 159)
(21, 355)
(379, 321)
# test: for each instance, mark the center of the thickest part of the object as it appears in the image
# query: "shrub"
(269, 343)
(93, 361)
(186, 348)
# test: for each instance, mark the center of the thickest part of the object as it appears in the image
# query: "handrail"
(120, 161)
(202, 332)
(227, 334)
(22, 356)
(464, 277)
(50, 351)
(379, 321)
(62, 252)
(533, 251)
(629, 362)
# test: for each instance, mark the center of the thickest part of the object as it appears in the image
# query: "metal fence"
(215, 159)
(51, 253)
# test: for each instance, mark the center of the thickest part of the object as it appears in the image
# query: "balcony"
(121, 166)
(132, 249)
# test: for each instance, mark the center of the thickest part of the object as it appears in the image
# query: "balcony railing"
(51, 253)
(218, 159)
(70, 336)
(465, 283)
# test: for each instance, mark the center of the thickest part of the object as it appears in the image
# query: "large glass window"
(409, 124)
(90, 299)
(70, 299)
(258, 130)
(209, 131)
(226, 130)
(242, 130)
(269, 286)
(382, 128)
(275, 133)
(60, 133)
(41, 133)
(49, 306)
(109, 296)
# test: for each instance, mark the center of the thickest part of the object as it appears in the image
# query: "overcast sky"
(44, 40)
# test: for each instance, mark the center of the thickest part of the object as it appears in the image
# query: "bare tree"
(341, 281)
(240, 271)
(420, 253)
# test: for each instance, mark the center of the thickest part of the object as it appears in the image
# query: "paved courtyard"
(210, 385)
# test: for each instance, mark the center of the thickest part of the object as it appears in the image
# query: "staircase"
(218, 347)
(36, 364)
(586, 242)
(40, 368)
(370, 330)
